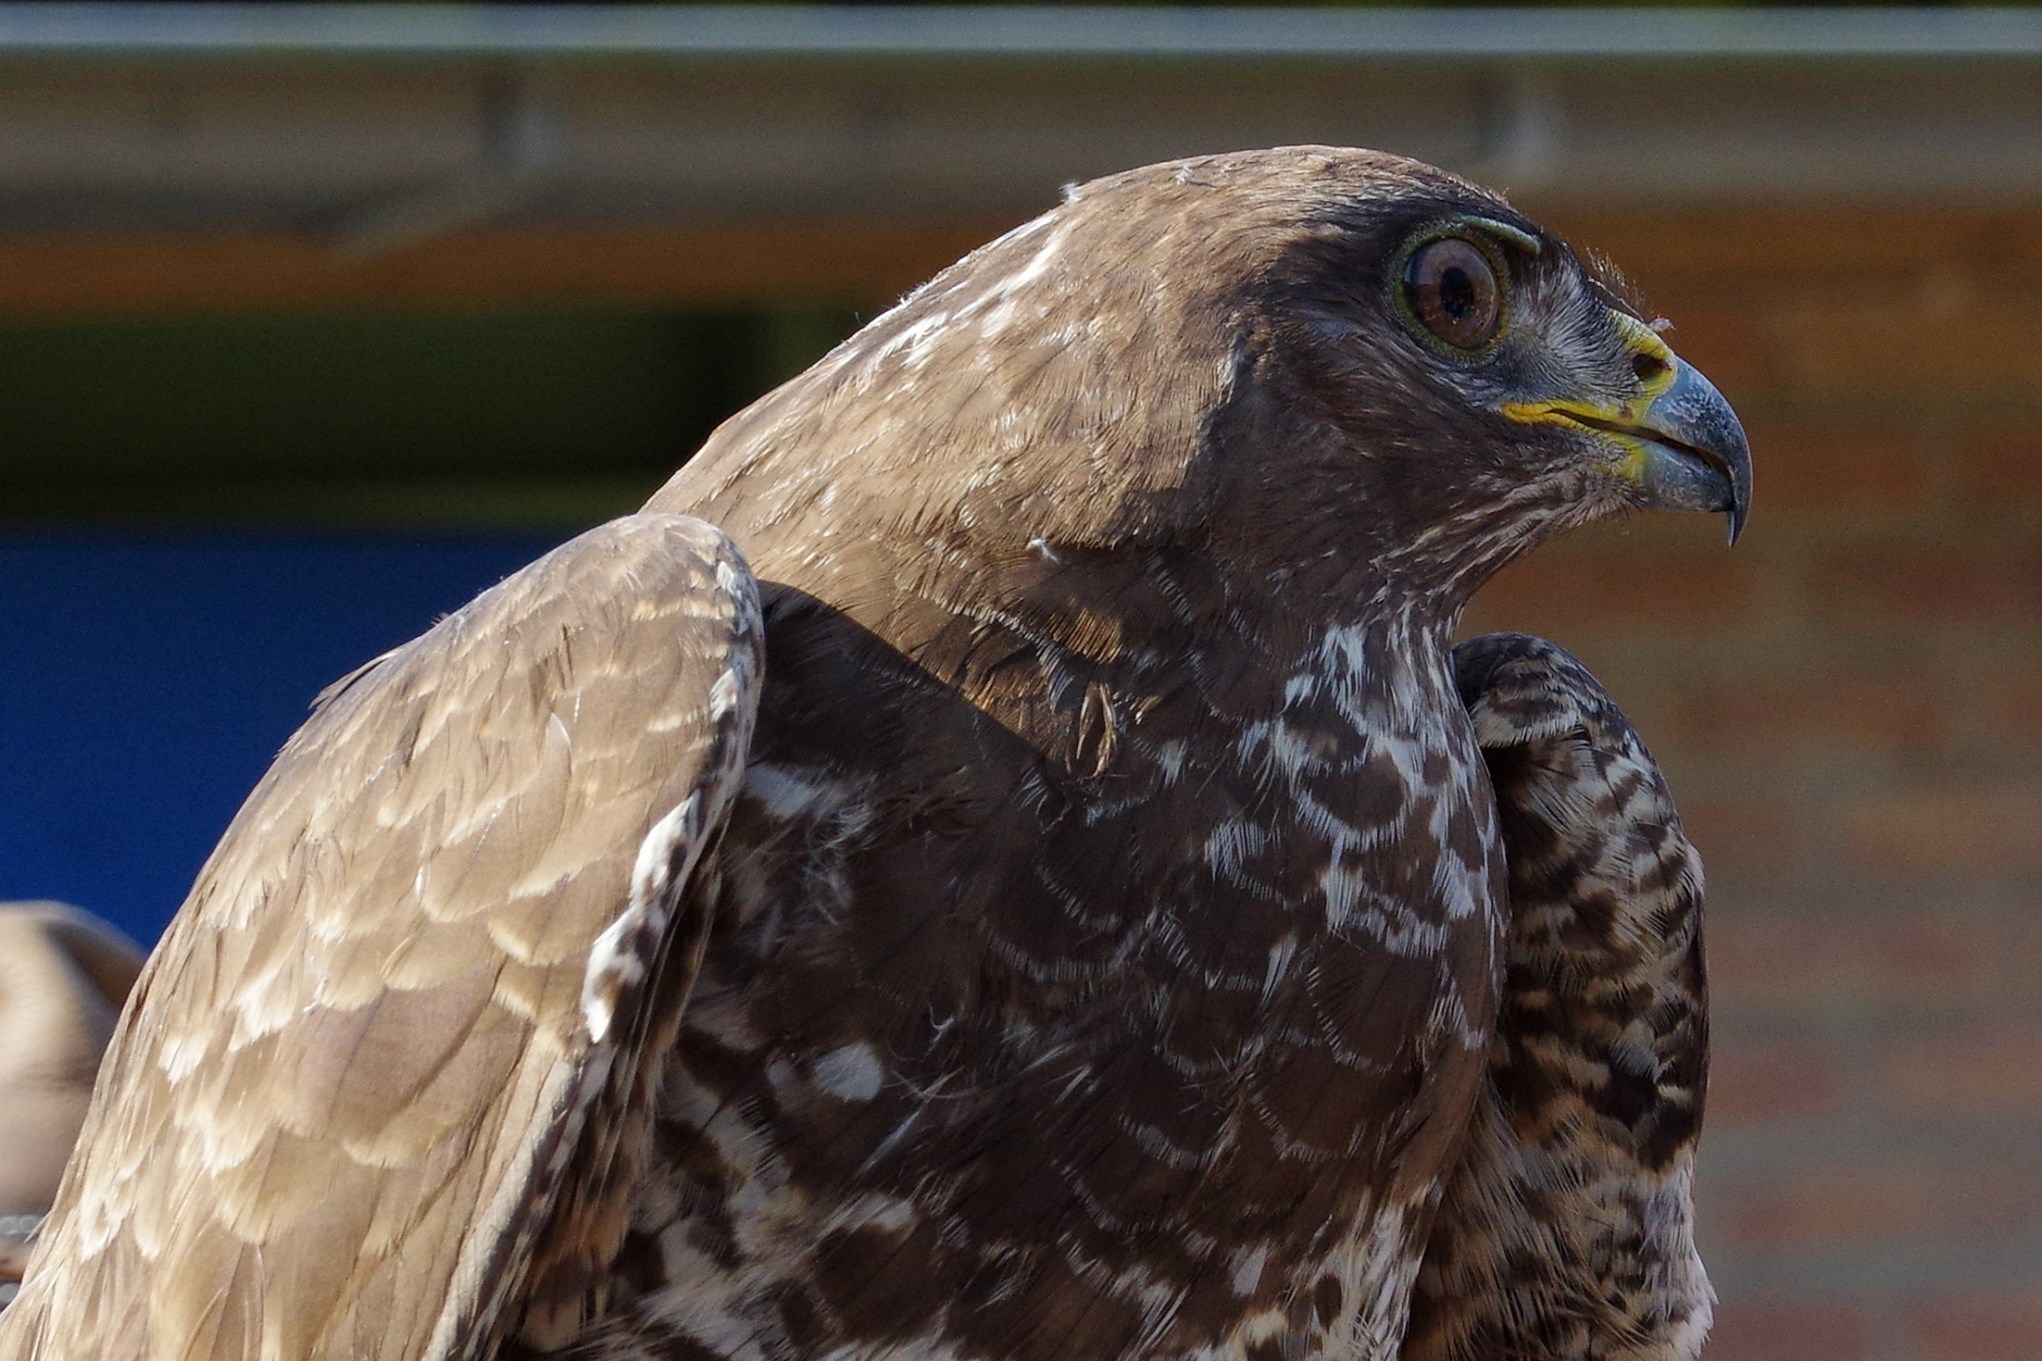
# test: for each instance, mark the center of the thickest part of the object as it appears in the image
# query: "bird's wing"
(1567, 1229)
(349, 1112)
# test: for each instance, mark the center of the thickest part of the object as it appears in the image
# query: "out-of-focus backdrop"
(316, 319)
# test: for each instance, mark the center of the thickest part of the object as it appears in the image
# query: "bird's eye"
(1453, 292)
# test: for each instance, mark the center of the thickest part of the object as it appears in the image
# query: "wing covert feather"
(335, 1119)
(1567, 1230)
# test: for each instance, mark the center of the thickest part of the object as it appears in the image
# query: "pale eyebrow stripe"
(1517, 236)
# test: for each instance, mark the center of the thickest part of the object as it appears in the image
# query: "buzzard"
(1032, 881)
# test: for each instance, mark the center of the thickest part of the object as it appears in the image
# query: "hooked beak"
(1678, 440)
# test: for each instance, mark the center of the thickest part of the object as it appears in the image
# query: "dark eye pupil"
(1453, 292)
(1456, 294)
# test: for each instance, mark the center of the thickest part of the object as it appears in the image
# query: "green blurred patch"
(500, 417)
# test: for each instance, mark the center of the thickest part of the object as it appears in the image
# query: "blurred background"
(316, 319)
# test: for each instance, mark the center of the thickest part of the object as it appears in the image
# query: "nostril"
(1648, 366)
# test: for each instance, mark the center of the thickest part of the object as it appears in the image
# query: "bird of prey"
(63, 977)
(993, 863)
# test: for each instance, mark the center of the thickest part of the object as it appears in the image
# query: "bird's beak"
(1677, 440)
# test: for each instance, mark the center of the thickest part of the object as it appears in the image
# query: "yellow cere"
(1638, 339)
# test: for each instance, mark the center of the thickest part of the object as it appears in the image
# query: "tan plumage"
(336, 1124)
(1102, 953)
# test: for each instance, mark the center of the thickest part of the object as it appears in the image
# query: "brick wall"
(1849, 708)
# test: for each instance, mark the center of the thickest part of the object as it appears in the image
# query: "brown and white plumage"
(423, 976)
(1103, 948)
(1566, 1233)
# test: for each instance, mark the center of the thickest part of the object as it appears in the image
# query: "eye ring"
(1451, 291)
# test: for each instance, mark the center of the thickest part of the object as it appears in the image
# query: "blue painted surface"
(147, 680)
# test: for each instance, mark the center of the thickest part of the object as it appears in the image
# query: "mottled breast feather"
(366, 1103)
(1566, 1234)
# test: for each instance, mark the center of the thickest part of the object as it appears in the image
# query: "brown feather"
(1567, 1233)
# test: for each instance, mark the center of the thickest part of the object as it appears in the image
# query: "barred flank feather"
(1567, 1232)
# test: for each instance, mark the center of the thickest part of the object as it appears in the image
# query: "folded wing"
(420, 987)
(1567, 1232)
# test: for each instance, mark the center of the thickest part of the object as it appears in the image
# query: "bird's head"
(1307, 364)
(1473, 378)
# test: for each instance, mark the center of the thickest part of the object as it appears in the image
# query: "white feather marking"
(1280, 956)
(1232, 843)
(729, 579)
(889, 1214)
(1246, 1268)
(723, 695)
(915, 342)
(1004, 295)
(616, 960)
(1383, 1296)
(851, 1073)
(1170, 758)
